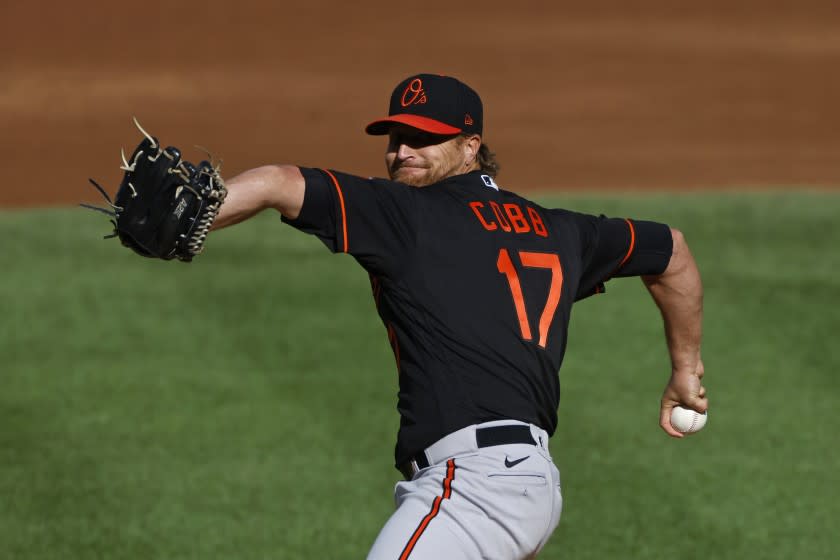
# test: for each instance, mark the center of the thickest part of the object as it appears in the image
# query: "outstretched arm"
(678, 292)
(272, 186)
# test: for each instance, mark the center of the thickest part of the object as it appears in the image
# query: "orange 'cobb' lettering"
(511, 219)
(539, 226)
(517, 218)
(475, 208)
(498, 212)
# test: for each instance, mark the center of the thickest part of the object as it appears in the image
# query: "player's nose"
(404, 152)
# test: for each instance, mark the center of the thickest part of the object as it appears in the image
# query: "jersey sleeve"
(372, 219)
(615, 247)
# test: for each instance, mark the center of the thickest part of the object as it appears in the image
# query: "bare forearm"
(251, 192)
(678, 292)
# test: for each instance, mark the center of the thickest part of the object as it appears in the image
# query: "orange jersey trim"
(343, 210)
(632, 244)
(447, 493)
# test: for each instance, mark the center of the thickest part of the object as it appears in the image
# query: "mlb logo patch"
(489, 182)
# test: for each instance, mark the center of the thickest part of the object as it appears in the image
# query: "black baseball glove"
(164, 206)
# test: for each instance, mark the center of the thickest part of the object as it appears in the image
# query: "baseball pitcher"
(474, 285)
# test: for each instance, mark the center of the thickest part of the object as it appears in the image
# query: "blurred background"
(243, 406)
(596, 94)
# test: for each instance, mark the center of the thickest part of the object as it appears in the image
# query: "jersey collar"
(474, 178)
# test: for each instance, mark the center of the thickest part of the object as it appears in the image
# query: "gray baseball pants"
(497, 502)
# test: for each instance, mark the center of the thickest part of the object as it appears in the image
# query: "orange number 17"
(533, 260)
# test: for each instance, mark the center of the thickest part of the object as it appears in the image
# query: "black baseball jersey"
(475, 287)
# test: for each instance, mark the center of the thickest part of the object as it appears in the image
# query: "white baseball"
(687, 420)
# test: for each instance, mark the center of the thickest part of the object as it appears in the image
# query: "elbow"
(277, 176)
(681, 276)
(676, 263)
(282, 189)
(678, 252)
(678, 240)
(682, 261)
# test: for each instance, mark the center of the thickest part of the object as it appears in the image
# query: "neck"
(463, 170)
(469, 167)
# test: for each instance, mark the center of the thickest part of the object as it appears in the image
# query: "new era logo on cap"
(433, 103)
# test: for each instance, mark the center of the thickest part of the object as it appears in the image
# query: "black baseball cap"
(433, 103)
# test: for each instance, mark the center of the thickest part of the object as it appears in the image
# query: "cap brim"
(382, 126)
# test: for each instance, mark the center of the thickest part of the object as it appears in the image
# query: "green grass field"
(243, 406)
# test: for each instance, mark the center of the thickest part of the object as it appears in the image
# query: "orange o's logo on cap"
(468, 120)
(414, 93)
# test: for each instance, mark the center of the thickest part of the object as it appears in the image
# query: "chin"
(420, 179)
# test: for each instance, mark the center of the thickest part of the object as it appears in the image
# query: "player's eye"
(404, 138)
(413, 138)
(394, 141)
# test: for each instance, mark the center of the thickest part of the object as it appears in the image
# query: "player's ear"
(471, 145)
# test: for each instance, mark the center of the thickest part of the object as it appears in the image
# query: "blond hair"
(487, 160)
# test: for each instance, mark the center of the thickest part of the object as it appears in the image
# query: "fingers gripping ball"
(164, 206)
(687, 420)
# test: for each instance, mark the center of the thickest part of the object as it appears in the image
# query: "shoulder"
(349, 181)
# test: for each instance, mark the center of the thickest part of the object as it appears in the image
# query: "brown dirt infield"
(578, 95)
